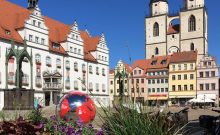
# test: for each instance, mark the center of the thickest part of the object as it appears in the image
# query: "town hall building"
(64, 58)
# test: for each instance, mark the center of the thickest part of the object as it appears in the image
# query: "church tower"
(156, 28)
(32, 4)
(194, 33)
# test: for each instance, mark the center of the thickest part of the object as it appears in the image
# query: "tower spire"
(32, 4)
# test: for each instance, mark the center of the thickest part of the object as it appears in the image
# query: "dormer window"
(7, 32)
(154, 62)
(163, 62)
(55, 45)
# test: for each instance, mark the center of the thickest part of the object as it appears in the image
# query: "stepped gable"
(13, 18)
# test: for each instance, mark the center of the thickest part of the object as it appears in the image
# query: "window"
(201, 86)
(207, 86)
(213, 73)
(192, 23)
(179, 87)
(156, 29)
(139, 71)
(90, 86)
(149, 81)
(132, 81)
(30, 38)
(125, 81)
(156, 51)
(36, 39)
(173, 88)
(137, 80)
(97, 70)
(111, 91)
(135, 72)
(173, 66)
(55, 45)
(205, 63)
(153, 81)
(162, 89)
(34, 22)
(111, 82)
(158, 81)
(166, 89)
(173, 77)
(213, 86)
(166, 80)
(153, 90)
(201, 74)
(185, 76)
(158, 90)
(163, 62)
(79, 51)
(39, 24)
(179, 67)
(103, 72)
(42, 41)
(76, 85)
(97, 87)
(149, 90)
(117, 81)
(179, 77)
(90, 69)
(38, 58)
(154, 63)
(103, 88)
(67, 64)
(71, 49)
(191, 66)
(162, 80)
(209, 63)
(185, 87)
(191, 76)
(192, 47)
(142, 90)
(58, 61)
(83, 68)
(142, 80)
(48, 61)
(207, 74)
(185, 66)
(191, 87)
(76, 66)
(75, 50)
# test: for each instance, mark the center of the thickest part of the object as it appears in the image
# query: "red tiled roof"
(173, 29)
(13, 17)
(189, 56)
(111, 71)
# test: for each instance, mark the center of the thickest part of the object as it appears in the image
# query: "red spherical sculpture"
(76, 106)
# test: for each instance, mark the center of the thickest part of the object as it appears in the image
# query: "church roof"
(153, 1)
(13, 18)
(190, 56)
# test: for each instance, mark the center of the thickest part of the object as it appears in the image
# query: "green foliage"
(35, 116)
(124, 121)
(2, 116)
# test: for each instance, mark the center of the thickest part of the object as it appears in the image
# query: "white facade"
(54, 72)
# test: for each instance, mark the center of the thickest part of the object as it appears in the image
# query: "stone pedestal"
(18, 99)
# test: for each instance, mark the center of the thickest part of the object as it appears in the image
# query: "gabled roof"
(13, 18)
(190, 56)
(153, 1)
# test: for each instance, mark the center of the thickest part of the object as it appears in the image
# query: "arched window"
(48, 61)
(192, 47)
(156, 51)
(38, 58)
(58, 62)
(192, 23)
(156, 29)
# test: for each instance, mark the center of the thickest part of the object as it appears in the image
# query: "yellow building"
(182, 77)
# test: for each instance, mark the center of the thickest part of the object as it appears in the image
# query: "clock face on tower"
(173, 49)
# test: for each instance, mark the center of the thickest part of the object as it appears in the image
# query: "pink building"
(208, 79)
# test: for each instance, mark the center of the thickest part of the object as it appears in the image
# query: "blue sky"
(122, 21)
